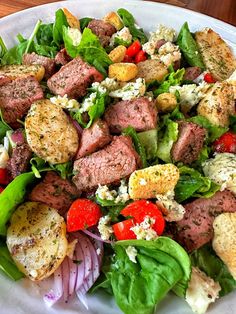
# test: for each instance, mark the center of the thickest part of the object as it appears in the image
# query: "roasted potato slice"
(217, 55)
(218, 104)
(123, 72)
(36, 239)
(152, 70)
(49, 132)
(17, 70)
(71, 19)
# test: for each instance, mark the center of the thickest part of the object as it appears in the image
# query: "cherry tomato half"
(226, 143)
(82, 214)
(4, 178)
(133, 49)
(140, 56)
(209, 78)
(122, 230)
(138, 210)
(128, 59)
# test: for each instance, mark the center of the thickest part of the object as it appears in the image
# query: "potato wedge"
(71, 19)
(36, 239)
(123, 72)
(216, 53)
(148, 182)
(152, 70)
(114, 19)
(117, 54)
(49, 132)
(218, 104)
(166, 102)
(17, 70)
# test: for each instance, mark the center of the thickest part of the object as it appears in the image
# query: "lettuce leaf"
(193, 184)
(174, 78)
(206, 260)
(149, 141)
(189, 48)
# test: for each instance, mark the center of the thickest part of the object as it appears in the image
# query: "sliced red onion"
(95, 236)
(76, 125)
(82, 298)
(73, 275)
(65, 278)
(18, 137)
(56, 293)
(84, 242)
(80, 267)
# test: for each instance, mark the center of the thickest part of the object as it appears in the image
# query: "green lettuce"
(162, 265)
(189, 48)
(174, 78)
(206, 260)
(149, 141)
(193, 184)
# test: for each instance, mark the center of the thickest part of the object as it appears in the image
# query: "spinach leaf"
(44, 50)
(7, 265)
(189, 48)
(44, 35)
(84, 22)
(12, 196)
(130, 131)
(57, 31)
(193, 184)
(161, 265)
(148, 140)
(206, 260)
(167, 135)
(128, 21)
(4, 127)
(174, 78)
(214, 131)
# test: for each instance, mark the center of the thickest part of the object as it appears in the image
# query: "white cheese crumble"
(120, 196)
(65, 102)
(123, 34)
(168, 54)
(222, 170)
(173, 211)
(132, 253)
(130, 90)
(103, 227)
(162, 32)
(202, 290)
(75, 35)
(144, 230)
(4, 157)
(107, 85)
(88, 102)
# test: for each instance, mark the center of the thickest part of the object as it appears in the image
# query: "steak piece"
(48, 63)
(196, 228)
(19, 161)
(103, 30)
(55, 192)
(190, 142)
(74, 78)
(93, 138)
(62, 57)
(192, 73)
(114, 162)
(140, 113)
(17, 96)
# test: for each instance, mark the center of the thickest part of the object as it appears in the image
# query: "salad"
(118, 162)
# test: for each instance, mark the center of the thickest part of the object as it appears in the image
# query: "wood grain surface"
(221, 9)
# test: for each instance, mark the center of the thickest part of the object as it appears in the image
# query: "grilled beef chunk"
(17, 96)
(48, 63)
(190, 142)
(19, 161)
(103, 30)
(55, 192)
(73, 79)
(62, 57)
(192, 73)
(114, 162)
(140, 113)
(196, 229)
(93, 138)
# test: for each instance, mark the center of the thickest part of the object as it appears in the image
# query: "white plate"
(23, 297)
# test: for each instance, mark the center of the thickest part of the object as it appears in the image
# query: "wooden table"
(221, 9)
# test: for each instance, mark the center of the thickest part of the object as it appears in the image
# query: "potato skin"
(36, 239)
(17, 70)
(123, 72)
(49, 132)
(152, 70)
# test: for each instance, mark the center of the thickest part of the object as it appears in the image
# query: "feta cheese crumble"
(132, 253)
(168, 54)
(130, 90)
(103, 227)
(144, 229)
(123, 34)
(65, 102)
(222, 170)
(108, 85)
(75, 35)
(88, 102)
(120, 196)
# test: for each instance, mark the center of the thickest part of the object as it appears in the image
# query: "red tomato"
(209, 78)
(128, 59)
(133, 49)
(4, 179)
(226, 143)
(142, 208)
(140, 56)
(82, 214)
(1, 189)
(122, 230)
